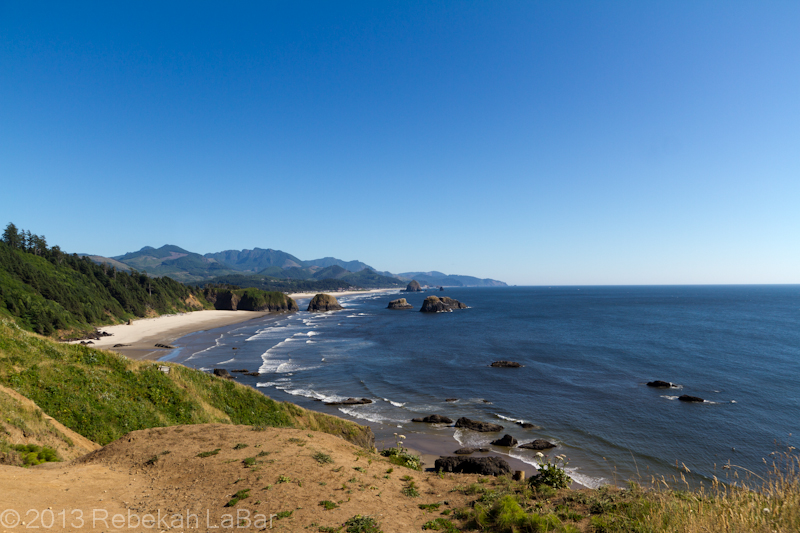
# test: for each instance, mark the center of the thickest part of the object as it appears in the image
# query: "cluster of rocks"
(486, 466)
(659, 384)
(324, 302)
(434, 419)
(400, 303)
(434, 304)
(165, 346)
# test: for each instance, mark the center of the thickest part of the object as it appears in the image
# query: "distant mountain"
(435, 278)
(352, 266)
(173, 261)
(332, 272)
(256, 259)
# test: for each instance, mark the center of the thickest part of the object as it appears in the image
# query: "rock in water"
(505, 364)
(324, 302)
(507, 440)
(687, 398)
(400, 303)
(660, 384)
(351, 401)
(538, 444)
(434, 419)
(485, 466)
(434, 304)
(475, 425)
(414, 286)
(221, 372)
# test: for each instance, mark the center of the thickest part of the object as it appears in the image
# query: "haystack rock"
(434, 304)
(400, 303)
(414, 286)
(324, 302)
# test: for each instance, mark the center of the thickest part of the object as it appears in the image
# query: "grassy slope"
(102, 395)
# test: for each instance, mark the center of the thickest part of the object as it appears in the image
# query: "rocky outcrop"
(351, 401)
(485, 466)
(249, 300)
(434, 419)
(468, 451)
(506, 440)
(400, 303)
(324, 302)
(434, 304)
(505, 364)
(413, 286)
(451, 399)
(475, 425)
(538, 444)
(221, 372)
(693, 399)
(658, 384)
(526, 425)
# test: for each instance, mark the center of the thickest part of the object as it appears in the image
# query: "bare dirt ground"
(160, 480)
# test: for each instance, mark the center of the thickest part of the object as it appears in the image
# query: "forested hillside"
(53, 293)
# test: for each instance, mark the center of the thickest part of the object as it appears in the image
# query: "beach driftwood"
(476, 425)
(485, 466)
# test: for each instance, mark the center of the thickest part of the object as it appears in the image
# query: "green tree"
(11, 236)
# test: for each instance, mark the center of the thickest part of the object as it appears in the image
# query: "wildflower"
(539, 454)
(403, 437)
(766, 509)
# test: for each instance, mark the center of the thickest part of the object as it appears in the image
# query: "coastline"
(141, 336)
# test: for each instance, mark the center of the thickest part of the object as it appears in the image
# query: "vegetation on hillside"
(102, 395)
(266, 283)
(233, 297)
(51, 292)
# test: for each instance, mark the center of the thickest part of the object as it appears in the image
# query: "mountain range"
(266, 265)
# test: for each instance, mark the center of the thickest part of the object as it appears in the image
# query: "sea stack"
(324, 302)
(400, 303)
(434, 304)
(414, 286)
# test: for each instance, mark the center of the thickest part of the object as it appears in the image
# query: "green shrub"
(322, 458)
(240, 495)
(328, 505)
(440, 524)
(208, 454)
(362, 524)
(402, 457)
(551, 474)
(35, 455)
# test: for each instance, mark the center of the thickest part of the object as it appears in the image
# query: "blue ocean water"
(587, 354)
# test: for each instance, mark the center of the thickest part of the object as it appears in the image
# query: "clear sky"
(539, 143)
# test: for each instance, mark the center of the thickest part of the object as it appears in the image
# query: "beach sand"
(141, 336)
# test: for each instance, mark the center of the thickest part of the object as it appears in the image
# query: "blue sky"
(534, 142)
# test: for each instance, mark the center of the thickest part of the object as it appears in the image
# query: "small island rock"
(434, 419)
(658, 384)
(475, 425)
(414, 286)
(505, 364)
(400, 303)
(687, 398)
(506, 440)
(351, 401)
(434, 304)
(221, 372)
(324, 302)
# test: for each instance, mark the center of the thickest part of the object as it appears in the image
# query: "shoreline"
(141, 336)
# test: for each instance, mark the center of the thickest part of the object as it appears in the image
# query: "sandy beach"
(141, 336)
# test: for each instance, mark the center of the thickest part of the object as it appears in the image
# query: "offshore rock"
(434, 304)
(538, 444)
(687, 398)
(506, 440)
(658, 384)
(505, 364)
(221, 372)
(485, 466)
(434, 419)
(324, 302)
(400, 303)
(475, 425)
(351, 401)
(413, 286)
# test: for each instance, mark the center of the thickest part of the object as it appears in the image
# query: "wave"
(217, 344)
(396, 404)
(231, 360)
(370, 416)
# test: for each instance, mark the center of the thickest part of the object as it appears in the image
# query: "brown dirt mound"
(284, 471)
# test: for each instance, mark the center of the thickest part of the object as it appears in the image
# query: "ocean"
(587, 354)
